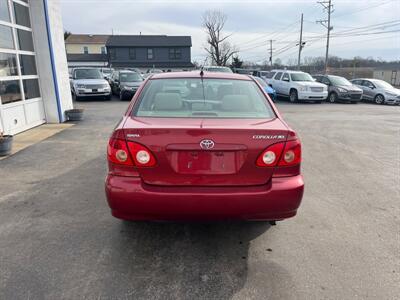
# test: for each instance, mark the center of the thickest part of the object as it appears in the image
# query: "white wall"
(47, 78)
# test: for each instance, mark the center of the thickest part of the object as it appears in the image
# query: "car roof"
(287, 71)
(196, 74)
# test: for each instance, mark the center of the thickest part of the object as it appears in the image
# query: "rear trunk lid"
(183, 157)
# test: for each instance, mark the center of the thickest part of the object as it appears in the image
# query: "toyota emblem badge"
(207, 144)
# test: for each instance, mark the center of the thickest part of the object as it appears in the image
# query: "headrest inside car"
(167, 101)
(235, 103)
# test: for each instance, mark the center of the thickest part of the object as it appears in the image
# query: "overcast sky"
(251, 23)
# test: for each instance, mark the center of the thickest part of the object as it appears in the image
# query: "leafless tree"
(219, 49)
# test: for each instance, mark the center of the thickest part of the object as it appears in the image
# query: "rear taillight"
(285, 157)
(129, 153)
(270, 156)
(141, 156)
(117, 152)
(292, 154)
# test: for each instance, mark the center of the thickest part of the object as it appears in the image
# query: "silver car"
(89, 82)
(378, 91)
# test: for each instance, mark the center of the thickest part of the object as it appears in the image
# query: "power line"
(362, 9)
(270, 35)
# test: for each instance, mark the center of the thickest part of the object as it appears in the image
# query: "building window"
(21, 14)
(10, 91)
(85, 50)
(175, 53)
(28, 64)
(132, 53)
(31, 88)
(25, 40)
(4, 12)
(150, 53)
(103, 50)
(6, 37)
(8, 65)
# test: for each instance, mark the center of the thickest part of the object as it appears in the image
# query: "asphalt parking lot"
(59, 241)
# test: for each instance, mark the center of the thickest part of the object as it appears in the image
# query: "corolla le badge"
(207, 144)
(268, 137)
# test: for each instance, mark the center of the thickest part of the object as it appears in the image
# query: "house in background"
(86, 50)
(150, 51)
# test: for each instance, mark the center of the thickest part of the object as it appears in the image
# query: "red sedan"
(203, 146)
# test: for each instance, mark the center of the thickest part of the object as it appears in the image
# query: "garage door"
(21, 105)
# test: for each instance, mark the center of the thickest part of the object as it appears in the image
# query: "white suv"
(298, 86)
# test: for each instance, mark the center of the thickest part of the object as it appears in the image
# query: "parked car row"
(103, 82)
(300, 86)
(297, 86)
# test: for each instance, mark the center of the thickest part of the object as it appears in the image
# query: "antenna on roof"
(201, 72)
(140, 33)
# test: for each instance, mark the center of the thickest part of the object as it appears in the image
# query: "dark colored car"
(218, 151)
(268, 89)
(340, 89)
(125, 83)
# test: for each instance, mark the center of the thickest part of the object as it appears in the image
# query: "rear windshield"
(210, 98)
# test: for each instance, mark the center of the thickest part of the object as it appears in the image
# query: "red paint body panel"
(190, 183)
(130, 198)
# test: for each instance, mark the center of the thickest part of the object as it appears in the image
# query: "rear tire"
(108, 97)
(121, 96)
(293, 96)
(379, 99)
(333, 97)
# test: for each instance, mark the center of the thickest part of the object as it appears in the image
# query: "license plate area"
(205, 162)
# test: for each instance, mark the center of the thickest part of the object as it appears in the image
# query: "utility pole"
(270, 52)
(301, 43)
(327, 4)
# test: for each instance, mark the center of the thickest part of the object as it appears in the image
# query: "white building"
(34, 81)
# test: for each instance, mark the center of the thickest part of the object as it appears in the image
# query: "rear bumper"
(130, 198)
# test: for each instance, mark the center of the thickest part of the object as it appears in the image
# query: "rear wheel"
(121, 96)
(379, 99)
(333, 97)
(293, 96)
(108, 97)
